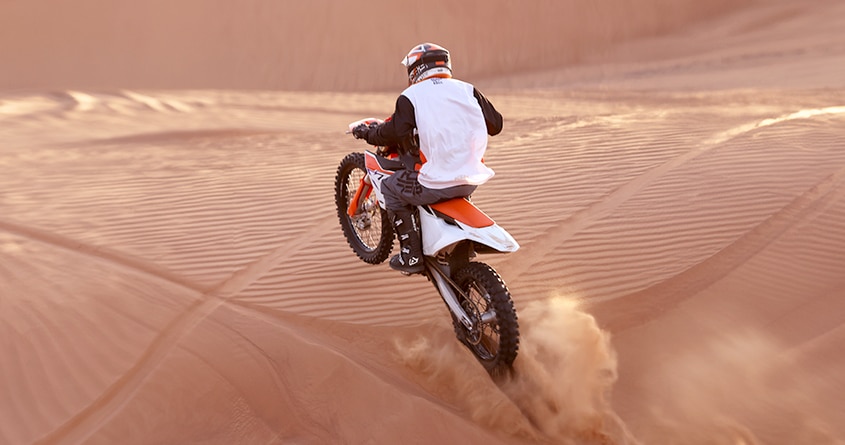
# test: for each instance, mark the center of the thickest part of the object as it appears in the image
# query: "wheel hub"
(362, 221)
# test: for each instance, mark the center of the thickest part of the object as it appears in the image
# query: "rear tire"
(494, 343)
(368, 232)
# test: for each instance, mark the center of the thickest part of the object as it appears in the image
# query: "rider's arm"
(492, 117)
(400, 126)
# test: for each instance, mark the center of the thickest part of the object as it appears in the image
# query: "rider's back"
(452, 132)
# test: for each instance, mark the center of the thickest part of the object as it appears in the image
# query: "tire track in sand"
(93, 417)
(115, 396)
(99, 252)
(656, 299)
(557, 235)
(549, 241)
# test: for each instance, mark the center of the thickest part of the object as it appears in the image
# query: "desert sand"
(172, 270)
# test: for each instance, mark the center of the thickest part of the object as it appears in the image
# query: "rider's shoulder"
(428, 84)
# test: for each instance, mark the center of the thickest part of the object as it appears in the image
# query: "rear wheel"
(367, 231)
(495, 339)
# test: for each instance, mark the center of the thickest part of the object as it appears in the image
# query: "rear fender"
(438, 234)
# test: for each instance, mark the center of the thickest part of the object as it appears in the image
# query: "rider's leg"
(407, 227)
(402, 193)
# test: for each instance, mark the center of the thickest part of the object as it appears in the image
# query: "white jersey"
(452, 131)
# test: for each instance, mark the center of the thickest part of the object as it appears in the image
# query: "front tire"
(368, 232)
(488, 303)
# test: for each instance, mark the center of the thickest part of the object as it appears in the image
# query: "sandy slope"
(319, 45)
(172, 271)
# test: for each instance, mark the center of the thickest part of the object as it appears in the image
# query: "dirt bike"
(453, 232)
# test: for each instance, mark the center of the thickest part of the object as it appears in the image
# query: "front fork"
(363, 192)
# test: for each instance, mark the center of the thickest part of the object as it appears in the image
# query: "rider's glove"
(361, 131)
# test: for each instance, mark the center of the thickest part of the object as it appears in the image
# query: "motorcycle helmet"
(427, 60)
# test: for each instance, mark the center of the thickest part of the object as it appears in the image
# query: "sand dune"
(172, 270)
(319, 45)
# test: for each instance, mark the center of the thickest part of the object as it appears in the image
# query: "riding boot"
(407, 228)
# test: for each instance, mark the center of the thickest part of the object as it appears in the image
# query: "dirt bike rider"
(443, 124)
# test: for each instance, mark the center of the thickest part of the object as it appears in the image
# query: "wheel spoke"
(365, 231)
(487, 301)
(370, 234)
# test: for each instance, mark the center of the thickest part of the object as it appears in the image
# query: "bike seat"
(461, 209)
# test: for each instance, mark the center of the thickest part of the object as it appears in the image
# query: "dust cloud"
(559, 390)
(725, 389)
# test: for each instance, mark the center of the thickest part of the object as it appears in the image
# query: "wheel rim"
(367, 223)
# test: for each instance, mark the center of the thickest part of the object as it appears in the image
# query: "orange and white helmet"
(427, 60)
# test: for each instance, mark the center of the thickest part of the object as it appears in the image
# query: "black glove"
(361, 131)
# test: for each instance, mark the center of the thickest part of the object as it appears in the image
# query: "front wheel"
(487, 302)
(367, 230)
